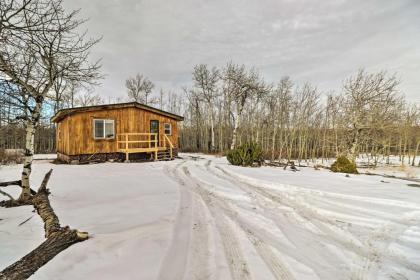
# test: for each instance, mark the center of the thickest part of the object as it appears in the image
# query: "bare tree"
(370, 102)
(70, 95)
(40, 44)
(161, 99)
(205, 81)
(88, 98)
(139, 89)
(242, 85)
(276, 104)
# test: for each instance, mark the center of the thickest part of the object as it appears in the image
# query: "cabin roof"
(63, 113)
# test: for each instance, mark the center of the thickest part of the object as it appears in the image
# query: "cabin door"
(154, 128)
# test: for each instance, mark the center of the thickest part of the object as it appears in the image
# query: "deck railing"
(129, 141)
(143, 142)
(171, 146)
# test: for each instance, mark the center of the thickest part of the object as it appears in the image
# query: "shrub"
(249, 154)
(10, 156)
(344, 165)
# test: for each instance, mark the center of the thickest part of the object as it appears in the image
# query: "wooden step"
(164, 156)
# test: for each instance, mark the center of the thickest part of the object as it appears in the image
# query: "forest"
(225, 107)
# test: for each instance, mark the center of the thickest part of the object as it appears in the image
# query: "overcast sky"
(321, 42)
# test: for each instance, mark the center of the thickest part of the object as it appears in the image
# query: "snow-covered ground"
(201, 218)
(391, 167)
(44, 156)
(405, 171)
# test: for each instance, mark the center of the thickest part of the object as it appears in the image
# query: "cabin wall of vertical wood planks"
(75, 132)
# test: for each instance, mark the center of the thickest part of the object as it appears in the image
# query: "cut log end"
(82, 235)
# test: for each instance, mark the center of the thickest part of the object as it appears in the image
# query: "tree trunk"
(27, 164)
(197, 123)
(273, 142)
(30, 263)
(31, 123)
(413, 162)
(236, 127)
(234, 133)
(354, 145)
(212, 144)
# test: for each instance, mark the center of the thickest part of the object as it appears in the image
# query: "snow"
(394, 166)
(45, 156)
(201, 218)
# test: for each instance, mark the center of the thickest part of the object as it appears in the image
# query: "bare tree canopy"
(371, 101)
(242, 85)
(139, 89)
(40, 45)
(205, 82)
(297, 121)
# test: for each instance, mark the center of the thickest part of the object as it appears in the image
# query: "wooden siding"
(75, 132)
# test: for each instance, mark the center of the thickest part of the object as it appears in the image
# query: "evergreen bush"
(344, 165)
(249, 154)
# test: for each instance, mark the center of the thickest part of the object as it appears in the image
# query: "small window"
(168, 129)
(103, 129)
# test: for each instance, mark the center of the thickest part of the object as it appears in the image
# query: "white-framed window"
(168, 128)
(103, 129)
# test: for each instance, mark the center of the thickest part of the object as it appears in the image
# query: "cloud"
(322, 42)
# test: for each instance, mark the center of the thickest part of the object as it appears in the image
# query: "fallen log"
(15, 183)
(8, 195)
(275, 164)
(292, 166)
(13, 202)
(58, 238)
(11, 183)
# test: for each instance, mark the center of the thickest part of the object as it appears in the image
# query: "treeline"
(12, 127)
(234, 105)
(63, 95)
(12, 136)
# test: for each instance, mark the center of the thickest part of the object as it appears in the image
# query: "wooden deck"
(153, 143)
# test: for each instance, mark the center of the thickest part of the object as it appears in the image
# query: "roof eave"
(62, 114)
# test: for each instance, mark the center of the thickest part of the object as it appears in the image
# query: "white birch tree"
(205, 80)
(40, 44)
(370, 101)
(242, 85)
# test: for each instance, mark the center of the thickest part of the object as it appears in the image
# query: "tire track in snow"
(324, 232)
(325, 225)
(274, 264)
(192, 253)
(236, 261)
(175, 261)
(237, 264)
(371, 252)
(277, 267)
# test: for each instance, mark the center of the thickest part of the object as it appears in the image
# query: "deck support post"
(156, 152)
(127, 159)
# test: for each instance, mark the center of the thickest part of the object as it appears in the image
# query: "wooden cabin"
(125, 131)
